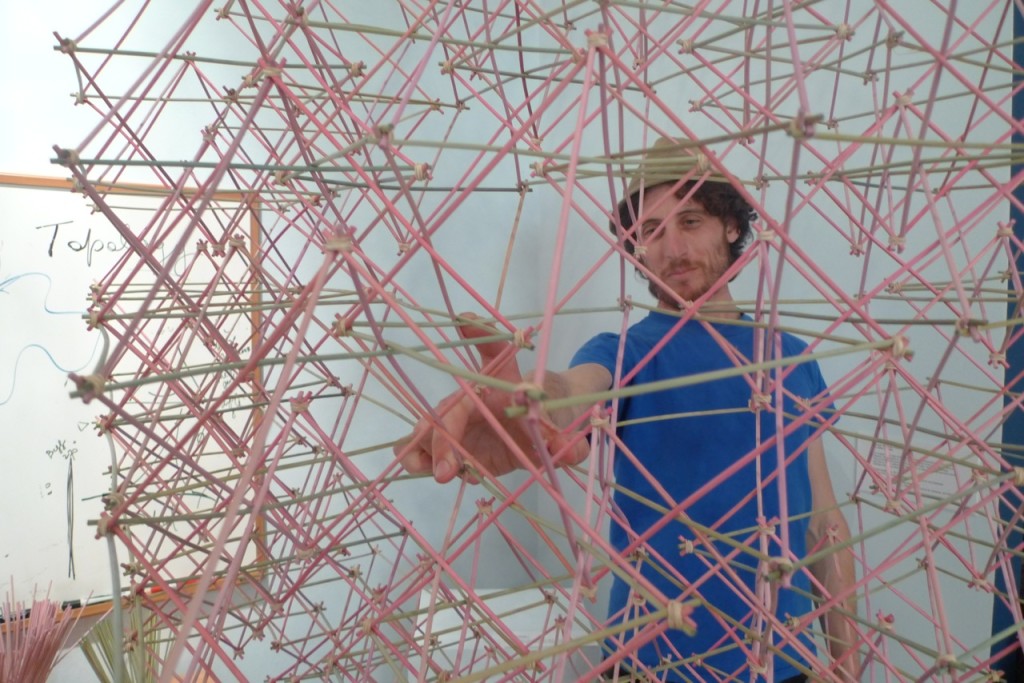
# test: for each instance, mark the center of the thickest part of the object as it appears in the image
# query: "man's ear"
(732, 232)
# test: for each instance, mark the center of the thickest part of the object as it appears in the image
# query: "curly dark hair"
(720, 200)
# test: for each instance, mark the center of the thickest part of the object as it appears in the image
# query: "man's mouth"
(679, 271)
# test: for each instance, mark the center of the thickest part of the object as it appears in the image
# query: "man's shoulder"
(791, 342)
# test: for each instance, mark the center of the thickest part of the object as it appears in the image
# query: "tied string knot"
(677, 613)
(778, 567)
(1018, 476)
(90, 386)
(703, 164)
(597, 39)
(759, 401)
(338, 242)
(886, 621)
(341, 327)
(104, 525)
(521, 338)
(900, 347)
(112, 500)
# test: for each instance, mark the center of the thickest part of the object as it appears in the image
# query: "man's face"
(687, 248)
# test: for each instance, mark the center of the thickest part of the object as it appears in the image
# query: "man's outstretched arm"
(835, 572)
(476, 430)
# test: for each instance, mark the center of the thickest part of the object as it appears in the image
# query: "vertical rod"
(1008, 650)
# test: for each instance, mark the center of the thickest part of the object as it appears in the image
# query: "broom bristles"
(31, 642)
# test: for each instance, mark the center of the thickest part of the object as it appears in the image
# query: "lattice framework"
(334, 182)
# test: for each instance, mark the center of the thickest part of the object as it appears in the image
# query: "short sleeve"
(602, 349)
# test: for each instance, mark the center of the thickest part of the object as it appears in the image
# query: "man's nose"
(676, 243)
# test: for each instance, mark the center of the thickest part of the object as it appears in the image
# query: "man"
(734, 460)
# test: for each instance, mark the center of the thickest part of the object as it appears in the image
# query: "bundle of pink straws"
(31, 640)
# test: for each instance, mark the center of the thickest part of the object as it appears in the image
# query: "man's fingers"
(453, 415)
(568, 448)
(410, 449)
(417, 461)
(497, 357)
(579, 451)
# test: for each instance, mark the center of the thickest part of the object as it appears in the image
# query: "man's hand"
(466, 435)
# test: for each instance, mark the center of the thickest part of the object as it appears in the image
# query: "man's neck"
(719, 307)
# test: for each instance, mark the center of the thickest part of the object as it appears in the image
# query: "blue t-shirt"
(684, 452)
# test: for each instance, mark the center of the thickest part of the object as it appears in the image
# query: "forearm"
(575, 382)
(836, 575)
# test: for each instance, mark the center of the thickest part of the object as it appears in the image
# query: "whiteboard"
(55, 463)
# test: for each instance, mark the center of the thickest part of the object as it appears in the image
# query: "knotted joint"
(597, 39)
(67, 157)
(300, 404)
(91, 386)
(338, 243)
(521, 338)
(112, 499)
(104, 526)
(779, 567)
(342, 326)
(759, 401)
(886, 622)
(678, 614)
(901, 347)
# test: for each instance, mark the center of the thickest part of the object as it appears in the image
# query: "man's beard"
(710, 272)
